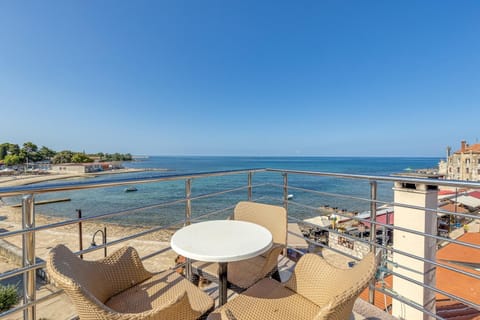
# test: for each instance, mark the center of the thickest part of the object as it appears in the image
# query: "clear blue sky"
(396, 78)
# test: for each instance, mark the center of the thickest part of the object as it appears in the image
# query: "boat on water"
(290, 197)
(131, 189)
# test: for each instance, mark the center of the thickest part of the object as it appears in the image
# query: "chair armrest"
(176, 309)
(180, 309)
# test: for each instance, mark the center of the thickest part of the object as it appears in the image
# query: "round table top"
(221, 240)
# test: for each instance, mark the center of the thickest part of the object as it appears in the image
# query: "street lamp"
(104, 239)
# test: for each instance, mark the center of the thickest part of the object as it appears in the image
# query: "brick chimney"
(464, 145)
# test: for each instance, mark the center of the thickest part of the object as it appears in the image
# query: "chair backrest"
(274, 218)
(331, 288)
(74, 274)
(93, 279)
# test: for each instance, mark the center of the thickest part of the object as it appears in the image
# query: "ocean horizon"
(267, 186)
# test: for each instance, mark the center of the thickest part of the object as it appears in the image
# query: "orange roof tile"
(475, 148)
(381, 301)
(456, 252)
(453, 208)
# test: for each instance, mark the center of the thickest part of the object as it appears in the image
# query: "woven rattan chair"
(119, 287)
(316, 290)
(243, 274)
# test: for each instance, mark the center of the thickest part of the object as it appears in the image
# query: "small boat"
(130, 189)
(290, 197)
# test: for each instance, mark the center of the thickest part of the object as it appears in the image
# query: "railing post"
(250, 185)
(28, 247)
(188, 217)
(285, 191)
(80, 234)
(188, 201)
(373, 234)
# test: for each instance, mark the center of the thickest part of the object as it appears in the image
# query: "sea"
(161, 203)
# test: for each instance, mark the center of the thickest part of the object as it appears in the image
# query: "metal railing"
(252, 192)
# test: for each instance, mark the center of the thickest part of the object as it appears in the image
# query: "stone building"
(463, 164)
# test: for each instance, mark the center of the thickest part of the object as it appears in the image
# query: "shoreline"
(27, 179)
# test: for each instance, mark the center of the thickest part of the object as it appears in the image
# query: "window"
(458, 169)
(467, 170)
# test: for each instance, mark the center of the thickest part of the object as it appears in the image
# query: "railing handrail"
(80, 185)
(391, 178)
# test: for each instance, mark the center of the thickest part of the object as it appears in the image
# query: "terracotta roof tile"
(475, 148)
(475, 194)
(456, 252)
(451, 207)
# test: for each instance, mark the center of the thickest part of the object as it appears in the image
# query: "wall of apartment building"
(464, 166)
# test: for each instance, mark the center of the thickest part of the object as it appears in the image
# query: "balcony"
(429, 266)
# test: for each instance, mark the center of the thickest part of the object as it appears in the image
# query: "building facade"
(463, 164)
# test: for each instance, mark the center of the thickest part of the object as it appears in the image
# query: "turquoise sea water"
(105, 200)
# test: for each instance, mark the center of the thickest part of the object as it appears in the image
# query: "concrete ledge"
(14, 254)
(367, 311)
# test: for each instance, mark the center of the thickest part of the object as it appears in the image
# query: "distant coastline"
(26, 179)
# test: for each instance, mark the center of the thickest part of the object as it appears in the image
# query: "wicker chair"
(243, 274)
(119, 287)
(316, 290)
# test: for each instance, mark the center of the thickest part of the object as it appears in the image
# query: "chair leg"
(276, 275)
(194, 278)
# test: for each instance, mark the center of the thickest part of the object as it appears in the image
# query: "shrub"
(8, 297)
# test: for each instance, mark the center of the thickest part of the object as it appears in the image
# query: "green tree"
(13, 149)
(28, 153)
(11, 159)
(81, 158)
(46, 153)
(63, 157)
(3, 150)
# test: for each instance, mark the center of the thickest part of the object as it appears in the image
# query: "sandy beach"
(26, 179)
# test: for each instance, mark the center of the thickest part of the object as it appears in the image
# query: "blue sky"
(357, 78)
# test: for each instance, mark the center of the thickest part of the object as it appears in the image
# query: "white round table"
(221, 241)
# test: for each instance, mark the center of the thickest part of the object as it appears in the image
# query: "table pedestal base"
(222, 283)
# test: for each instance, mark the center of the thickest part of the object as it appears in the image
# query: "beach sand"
(25, 179)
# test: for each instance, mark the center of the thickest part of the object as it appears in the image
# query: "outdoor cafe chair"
(243, 274)
(119, 287)
(316, 290)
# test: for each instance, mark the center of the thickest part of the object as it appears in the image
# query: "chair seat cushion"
(267, 299)
(241, 274)
(162, 289)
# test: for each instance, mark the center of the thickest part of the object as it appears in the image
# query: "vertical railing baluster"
(285, 205)
(80, 233)
(188, 218)
(250, 195)
(373, 233)
(188, 201)
(285, 191)
(28, 247)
